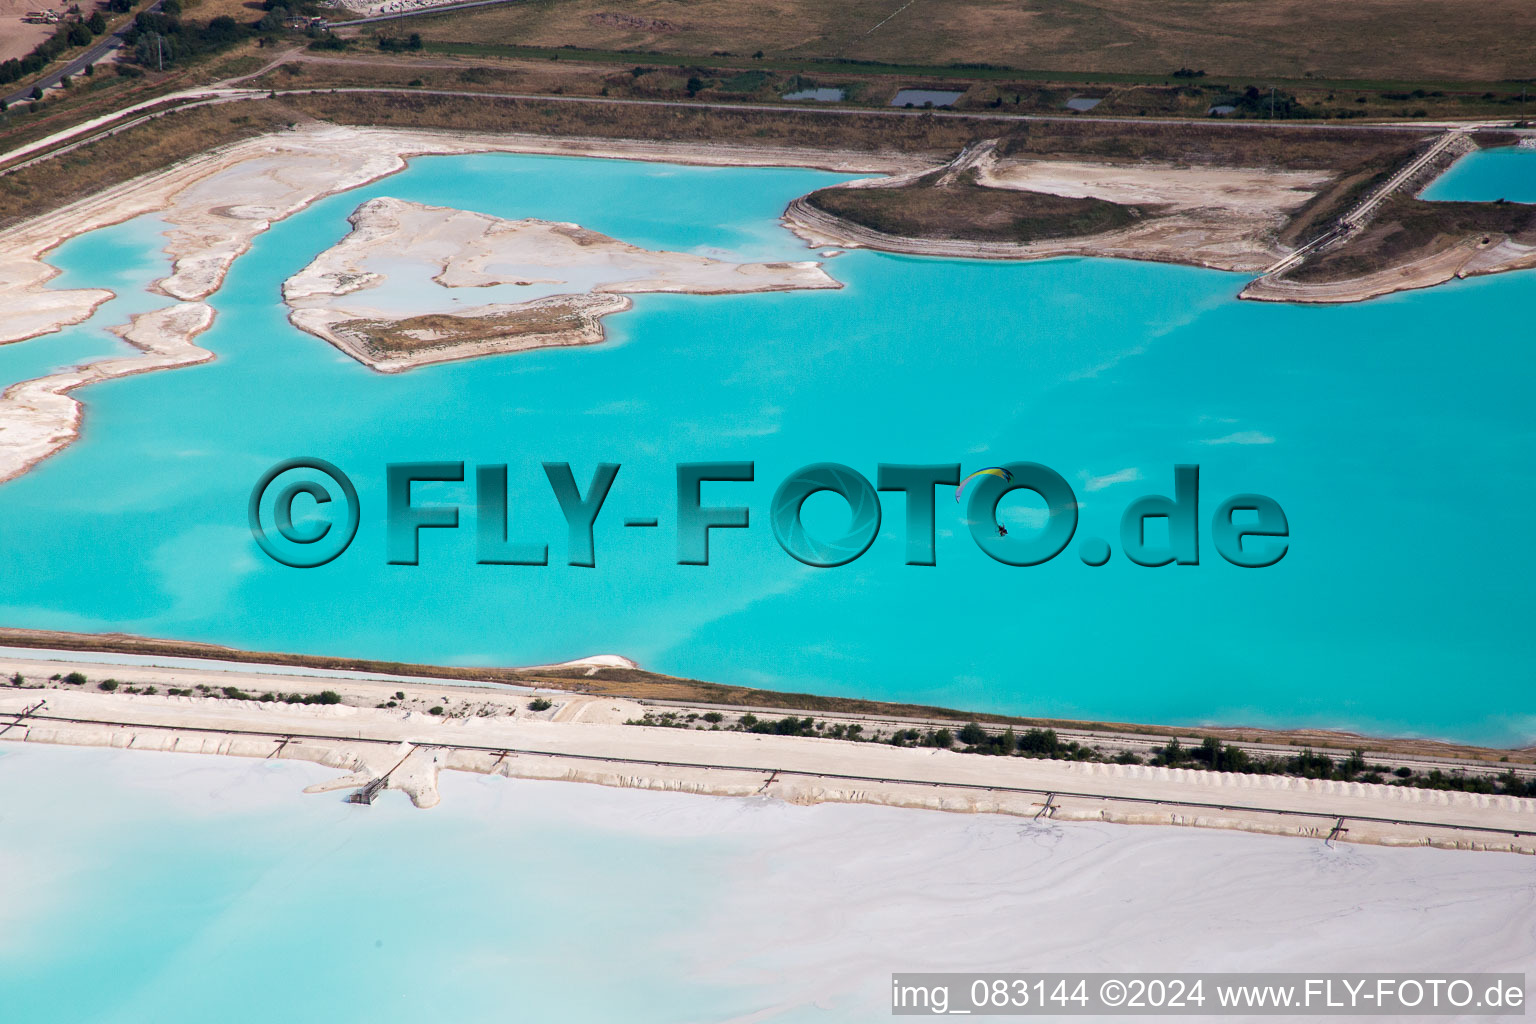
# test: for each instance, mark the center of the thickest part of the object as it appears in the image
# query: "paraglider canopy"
(989, 471)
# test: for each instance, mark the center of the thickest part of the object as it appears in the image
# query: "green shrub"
(1039, 741)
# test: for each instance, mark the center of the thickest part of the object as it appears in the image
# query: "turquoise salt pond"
(1487, 175)
(1397, 434)
(924, 97)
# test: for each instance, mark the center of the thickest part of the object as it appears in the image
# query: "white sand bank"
(1493, 254)
(1255, 191)
(1225, 218)
(38, 417)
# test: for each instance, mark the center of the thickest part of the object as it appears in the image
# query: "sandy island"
(350, 294)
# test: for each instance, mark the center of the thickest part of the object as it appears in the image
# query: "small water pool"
(925, 97)
(1084, 102)
(1508, 172)
(818, 95)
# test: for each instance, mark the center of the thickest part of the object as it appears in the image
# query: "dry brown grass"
(1392, 39)
(1204, 143)
(158, 143)
(482, 67)
(431, 331)
(206, 10)
(466, 74)
(1336, 198)
(1408, 229)
(106, 92)
(149, 147)
(961, 209)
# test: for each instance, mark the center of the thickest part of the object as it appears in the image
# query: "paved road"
(96, 51)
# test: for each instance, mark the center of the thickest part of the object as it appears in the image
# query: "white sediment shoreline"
(1224, 218)
(1494, 254)
(38, 417)
(270, 177)
(582, 738)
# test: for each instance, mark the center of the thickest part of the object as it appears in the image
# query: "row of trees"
(1211, 754)
(1214, 755)
(161, 38)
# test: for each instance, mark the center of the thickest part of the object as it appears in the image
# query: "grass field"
(1201, 143)
(1288, 39)
(490, 67)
